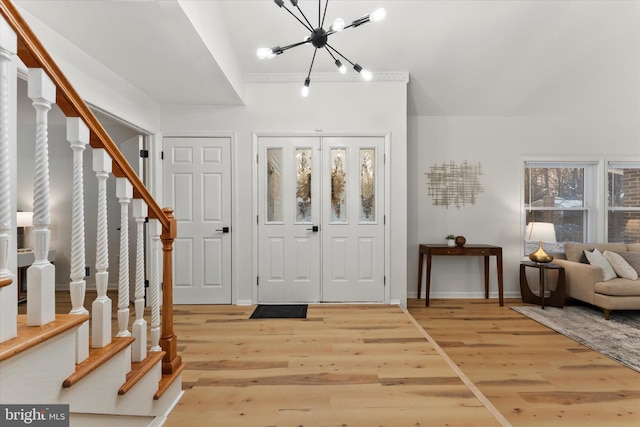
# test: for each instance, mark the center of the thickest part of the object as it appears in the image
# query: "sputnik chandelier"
(319, 39)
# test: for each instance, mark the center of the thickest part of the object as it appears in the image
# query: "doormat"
(288, 311)
(618, 338)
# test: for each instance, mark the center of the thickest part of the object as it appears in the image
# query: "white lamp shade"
(24, 219)
(542, 231)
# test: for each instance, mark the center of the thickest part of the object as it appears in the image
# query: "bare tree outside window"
(623, 220)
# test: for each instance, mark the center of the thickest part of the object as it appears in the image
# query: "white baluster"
(78, 137)
(124, 192)
(139, 328)
(41, 274)
(8, 294)
(101, 307)
(155, 230)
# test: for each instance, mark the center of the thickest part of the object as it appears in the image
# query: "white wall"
(349, 107)
(499, 144)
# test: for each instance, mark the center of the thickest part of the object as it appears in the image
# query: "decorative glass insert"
(338, 185)
(367, 185)
(303, 185)
(274, 184)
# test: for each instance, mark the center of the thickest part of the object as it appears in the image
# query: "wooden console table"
(467, 250)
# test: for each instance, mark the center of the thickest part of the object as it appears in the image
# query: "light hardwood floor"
(371, 366)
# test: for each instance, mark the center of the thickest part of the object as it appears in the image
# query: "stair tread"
(30, 336)
(97, 357)
(140, 369)
(167, 380)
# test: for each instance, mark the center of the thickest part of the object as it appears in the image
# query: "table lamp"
(543, 232)
(23, 220)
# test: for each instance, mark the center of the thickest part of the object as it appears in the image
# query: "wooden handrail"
(5, 281)
(34, 55)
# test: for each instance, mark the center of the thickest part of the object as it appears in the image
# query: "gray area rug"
(617, 338)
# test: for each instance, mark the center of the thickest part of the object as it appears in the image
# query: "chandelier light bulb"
(341, 67)
(305, 89)
(378, 15)
(338, 25)
(366, 75)
(265, 53)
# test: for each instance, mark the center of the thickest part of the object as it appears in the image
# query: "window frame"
(613, 164)
(594, 194)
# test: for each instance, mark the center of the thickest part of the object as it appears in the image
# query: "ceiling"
(464, 58)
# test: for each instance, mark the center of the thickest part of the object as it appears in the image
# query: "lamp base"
(540, 256)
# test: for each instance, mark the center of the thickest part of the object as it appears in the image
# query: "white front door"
(321, 219)
(197, 184)
(288, 217)
(353, 219)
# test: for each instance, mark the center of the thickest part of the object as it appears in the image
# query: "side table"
(556, 298)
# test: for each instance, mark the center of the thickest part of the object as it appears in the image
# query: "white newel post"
(124, 192)
(139, 328)
(101, 307)
(8, 294)
(41, 274)
(155, 230)
(78, 138)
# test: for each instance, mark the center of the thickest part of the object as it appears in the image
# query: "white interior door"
(197, 184)
(343, 260)
(288, 218)
(353, 219)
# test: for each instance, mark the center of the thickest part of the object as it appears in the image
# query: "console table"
(467, 250)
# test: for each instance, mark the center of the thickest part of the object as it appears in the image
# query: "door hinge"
(144, 154)
(384, 219)
(146, 283)
(257, 280)
(256, 159)
(385, 280)
(257, 219)
(162, 155)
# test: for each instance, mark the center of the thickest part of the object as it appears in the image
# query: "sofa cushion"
(620, 266)
(618, 287)
(633, 247)
(575, 251)
(633, 258)
(596, 258)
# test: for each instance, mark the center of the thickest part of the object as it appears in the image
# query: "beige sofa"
(585, 282)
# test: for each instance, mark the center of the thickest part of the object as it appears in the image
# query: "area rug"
(275, 311)
(617, 338)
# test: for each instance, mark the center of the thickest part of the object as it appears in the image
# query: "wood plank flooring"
(370, 366)
(345, 365)
(531, 374)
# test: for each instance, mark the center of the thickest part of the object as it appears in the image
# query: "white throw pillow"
(620, 265)
(596, 258)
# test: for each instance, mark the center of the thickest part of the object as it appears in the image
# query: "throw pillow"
(621, 267)
(596, 258)
(633, 258)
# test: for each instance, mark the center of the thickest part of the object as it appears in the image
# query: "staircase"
(132, 377)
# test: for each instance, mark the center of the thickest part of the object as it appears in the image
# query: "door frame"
(255, 136)
(232, 136)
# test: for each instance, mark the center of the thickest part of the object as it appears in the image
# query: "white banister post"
(155, 230)
(101, 307)
(124, 192)
(78, 138)
(139, 328)
(41, 274)
(8, 294)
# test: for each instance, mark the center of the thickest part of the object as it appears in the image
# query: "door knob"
(224, 229)
(314, 228)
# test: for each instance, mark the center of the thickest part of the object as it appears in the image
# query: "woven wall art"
(451, 184)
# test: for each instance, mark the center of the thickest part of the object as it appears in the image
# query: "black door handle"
(314, 228)
(224, 229)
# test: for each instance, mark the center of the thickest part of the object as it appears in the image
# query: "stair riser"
(35, 376)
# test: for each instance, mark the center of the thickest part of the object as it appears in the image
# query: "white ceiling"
(464, 58)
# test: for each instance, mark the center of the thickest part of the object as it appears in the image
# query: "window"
(623, 216)
(562, 193)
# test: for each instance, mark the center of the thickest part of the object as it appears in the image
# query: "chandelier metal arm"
(328, 46)
(308, 25)
(278, 50)
(321, 22)
(312, 61)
